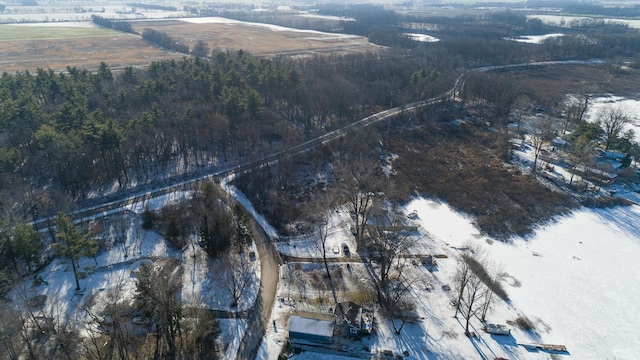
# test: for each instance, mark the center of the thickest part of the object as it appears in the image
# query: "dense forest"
(89, 134)
(79, 138)
(83, 131)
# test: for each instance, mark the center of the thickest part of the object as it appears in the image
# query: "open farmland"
(80, 44)
(24, 32)
(258, 39)
(55, 47)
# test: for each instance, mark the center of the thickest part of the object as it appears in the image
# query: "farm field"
(27, 47)
(258, 39)
(62, 31)
(55, 47)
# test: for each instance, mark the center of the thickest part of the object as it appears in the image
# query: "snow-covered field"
(566, 20)
(576, 279)
(421, 37)
(630, 107)
(533, 39)
(220, 20)
(38, 14)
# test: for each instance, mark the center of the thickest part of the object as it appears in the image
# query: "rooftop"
(311, 326)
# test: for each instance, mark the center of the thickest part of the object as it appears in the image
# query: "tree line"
(164, 40)
(111, 24)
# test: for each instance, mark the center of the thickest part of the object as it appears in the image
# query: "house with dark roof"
(354, 320)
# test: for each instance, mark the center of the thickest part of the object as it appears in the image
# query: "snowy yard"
(110, 277)
(575, 279)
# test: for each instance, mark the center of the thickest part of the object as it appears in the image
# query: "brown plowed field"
(257, 40)
(83, 52)
(55, 48)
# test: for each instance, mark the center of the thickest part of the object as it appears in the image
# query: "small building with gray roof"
(312, 327)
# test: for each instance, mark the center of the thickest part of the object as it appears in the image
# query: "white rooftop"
(311, 326)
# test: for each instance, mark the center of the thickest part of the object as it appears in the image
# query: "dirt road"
(260, 313)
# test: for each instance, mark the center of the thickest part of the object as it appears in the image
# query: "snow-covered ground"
(421, 37)
(533, 39)
(560, 20)
(630, 107)
(72, 24)
(318, 34)
(325, 17)
(40, 14)
(110, 276)
(576, 279)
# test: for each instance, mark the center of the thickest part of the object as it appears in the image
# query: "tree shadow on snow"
(417, 341)
(507, 343)
(623, 217)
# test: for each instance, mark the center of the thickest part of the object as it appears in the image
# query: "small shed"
(312, 327)
(497, 329)
(429, 260)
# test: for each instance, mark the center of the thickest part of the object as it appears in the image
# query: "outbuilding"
(312, 327)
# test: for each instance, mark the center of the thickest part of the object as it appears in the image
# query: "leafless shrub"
(523, 323)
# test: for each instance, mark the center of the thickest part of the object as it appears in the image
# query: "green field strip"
(18, 32)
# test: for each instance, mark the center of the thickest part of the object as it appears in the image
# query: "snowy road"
(261, 311)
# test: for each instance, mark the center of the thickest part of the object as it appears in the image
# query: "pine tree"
(148, 218)
(27, 242)
(72, 243)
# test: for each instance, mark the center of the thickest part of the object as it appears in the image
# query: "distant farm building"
(312, 327)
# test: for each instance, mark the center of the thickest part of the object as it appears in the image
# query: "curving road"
(270, 260)
(260, 312)
(105, 208)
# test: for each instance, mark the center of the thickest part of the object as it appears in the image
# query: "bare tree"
(389, 239)
(472, 296)
(11, 332)
(460, 279)
(486, 304)
(520, 109)
(109, 329)
(319, 214)
(202, 332)
(613, 120)
(575, 109)
(581, 153)
(475, 285)
(322, 234)
(236, 276)
(399, 303)
(361, 180)
(541, 131)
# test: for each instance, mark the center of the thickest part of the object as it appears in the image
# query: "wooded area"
(78, 137)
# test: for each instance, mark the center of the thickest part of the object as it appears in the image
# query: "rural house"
(356, 321)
